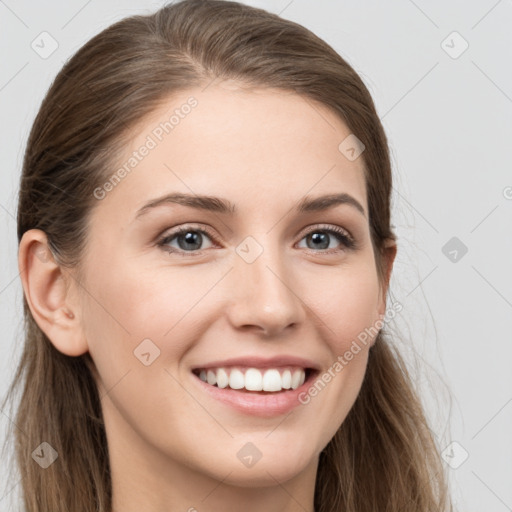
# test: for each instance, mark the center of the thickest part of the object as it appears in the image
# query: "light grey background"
(449, 123)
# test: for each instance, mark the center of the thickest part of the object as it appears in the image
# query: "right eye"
(189, 241)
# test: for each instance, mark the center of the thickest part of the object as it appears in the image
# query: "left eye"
(320, 236)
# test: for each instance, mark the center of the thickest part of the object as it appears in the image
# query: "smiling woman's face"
(263, 281)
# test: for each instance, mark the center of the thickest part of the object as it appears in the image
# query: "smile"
(252, 379)
(265, 392)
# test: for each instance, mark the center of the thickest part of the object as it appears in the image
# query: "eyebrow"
(220, 205)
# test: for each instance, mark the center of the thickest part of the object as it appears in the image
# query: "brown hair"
(383, 456)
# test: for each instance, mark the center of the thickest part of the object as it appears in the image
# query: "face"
(248, 295)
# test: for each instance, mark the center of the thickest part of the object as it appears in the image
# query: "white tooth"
(296, 376)
(272, 381)
(287, 379)
(236, 379)
(253, 380)
(210, 377)
(222, 378)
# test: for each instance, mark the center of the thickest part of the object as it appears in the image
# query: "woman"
(205, 252)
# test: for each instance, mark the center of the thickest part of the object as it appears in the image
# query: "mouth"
(257, 386)
(253, 380)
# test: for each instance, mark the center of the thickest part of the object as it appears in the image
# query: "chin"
(269, 469)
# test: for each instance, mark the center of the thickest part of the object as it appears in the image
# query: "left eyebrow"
(321, 203)
(220, 205)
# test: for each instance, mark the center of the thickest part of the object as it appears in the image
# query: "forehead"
(258, 147)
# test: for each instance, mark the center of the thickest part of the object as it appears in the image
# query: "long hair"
(383, 457)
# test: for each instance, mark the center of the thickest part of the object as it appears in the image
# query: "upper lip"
(260, 362)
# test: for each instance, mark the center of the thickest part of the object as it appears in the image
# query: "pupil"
(191, 238)
(317, 237)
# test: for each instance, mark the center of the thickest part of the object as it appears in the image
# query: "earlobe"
(47, 286)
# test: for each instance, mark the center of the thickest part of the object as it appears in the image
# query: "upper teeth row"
(252, 379)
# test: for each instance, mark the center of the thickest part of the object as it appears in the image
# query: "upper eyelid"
(186, 227)
(325, 227)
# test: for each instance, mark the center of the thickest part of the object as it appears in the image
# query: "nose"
(262, 295)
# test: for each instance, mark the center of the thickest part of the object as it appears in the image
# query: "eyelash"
(341, 234)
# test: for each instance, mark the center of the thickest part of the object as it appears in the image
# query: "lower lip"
(266, 405)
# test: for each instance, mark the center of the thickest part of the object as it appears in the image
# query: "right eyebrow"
(208, 203)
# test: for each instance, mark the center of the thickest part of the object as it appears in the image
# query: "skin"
(172, 447)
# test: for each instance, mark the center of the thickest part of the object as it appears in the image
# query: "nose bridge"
(264, 295)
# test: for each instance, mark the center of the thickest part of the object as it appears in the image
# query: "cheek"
(126, 307)
(137, 302)
(346, 306)
(347, 303)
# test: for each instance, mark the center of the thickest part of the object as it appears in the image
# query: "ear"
(388, 255)
(47, 288)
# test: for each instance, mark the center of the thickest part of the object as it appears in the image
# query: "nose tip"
(263, 298)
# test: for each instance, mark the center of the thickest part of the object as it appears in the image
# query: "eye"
(188, 239)
(320, 238)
